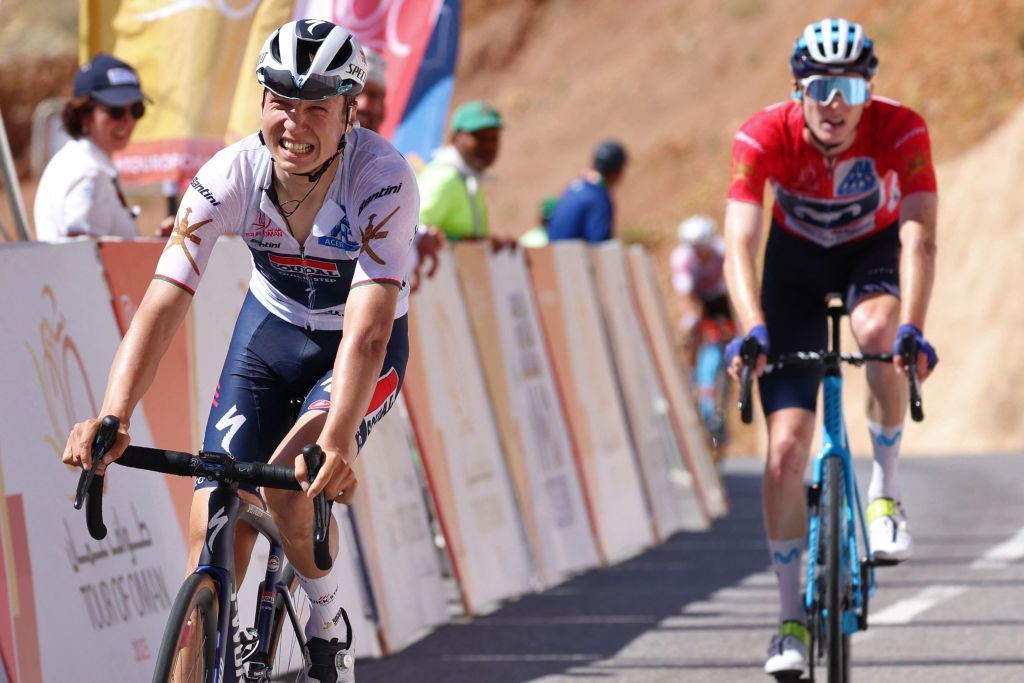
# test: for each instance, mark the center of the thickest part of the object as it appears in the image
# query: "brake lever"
(90, 484)
(314, 457)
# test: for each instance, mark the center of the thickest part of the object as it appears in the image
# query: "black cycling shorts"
(798, 274)
(271, 363)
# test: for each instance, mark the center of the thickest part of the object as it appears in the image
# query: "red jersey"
(833, 201)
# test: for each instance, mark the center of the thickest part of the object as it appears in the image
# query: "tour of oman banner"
(197, 58)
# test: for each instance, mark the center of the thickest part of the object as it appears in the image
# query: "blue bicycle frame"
(836, 445)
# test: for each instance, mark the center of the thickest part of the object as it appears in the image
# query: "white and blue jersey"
(363, 233)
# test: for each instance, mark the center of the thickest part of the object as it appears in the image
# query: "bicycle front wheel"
(837, 643)
(188, 651)
(285, 647)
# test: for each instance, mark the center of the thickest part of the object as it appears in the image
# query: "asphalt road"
(701, 607)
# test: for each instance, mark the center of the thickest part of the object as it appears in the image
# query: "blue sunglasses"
(823, 89)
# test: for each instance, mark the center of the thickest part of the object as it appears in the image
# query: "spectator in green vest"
(538, 235)
(451, 185)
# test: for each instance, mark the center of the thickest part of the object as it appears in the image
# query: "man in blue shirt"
(585, 209)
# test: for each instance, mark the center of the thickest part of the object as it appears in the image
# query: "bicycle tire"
(197, 595)
(837, 643)
(283, 651)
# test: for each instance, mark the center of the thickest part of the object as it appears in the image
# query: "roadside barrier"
(544, 414)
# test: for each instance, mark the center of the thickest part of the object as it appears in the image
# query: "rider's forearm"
(138, 356)
(742, 241)
(917, 256)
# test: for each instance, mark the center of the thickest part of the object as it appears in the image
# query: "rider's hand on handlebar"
(78, 451)
(926, 356)
(336, 477)
(734, 358)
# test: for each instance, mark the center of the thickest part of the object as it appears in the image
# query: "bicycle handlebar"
(214, 466)
(907, 350)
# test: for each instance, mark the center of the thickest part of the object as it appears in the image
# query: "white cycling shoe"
(787, 653)
(887, 531)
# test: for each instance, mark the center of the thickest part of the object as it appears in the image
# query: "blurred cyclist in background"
(855, 213)
(705, 319)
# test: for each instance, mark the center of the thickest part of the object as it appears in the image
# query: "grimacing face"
(834, 123)
(302, 135)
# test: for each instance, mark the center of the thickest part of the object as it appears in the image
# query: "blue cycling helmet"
(833, 46)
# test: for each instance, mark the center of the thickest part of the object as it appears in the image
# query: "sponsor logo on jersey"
(185, 232)
(203, 192)
(382, 192)
(855, 176)
(303, 266)
(320, 404)
(264, 244)
(341, 235)
(372, 233)
(263, 227)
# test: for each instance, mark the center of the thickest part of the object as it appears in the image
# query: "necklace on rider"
(287, 213)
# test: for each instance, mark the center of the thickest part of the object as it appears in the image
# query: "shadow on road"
(592, 616)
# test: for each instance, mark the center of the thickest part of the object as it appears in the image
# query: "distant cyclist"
(697, 274)
(855, 212)
(328, 212)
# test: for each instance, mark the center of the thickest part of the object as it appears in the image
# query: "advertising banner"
(128, 267)
(397, 542)
(458, 442)
(650, 305)
(532, 426)
(669, 486)
(571, 320)
(70, 606)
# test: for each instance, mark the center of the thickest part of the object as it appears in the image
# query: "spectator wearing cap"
(585, 210)
(370, 101)
(537, 236)
(451, 185)
(79, 192)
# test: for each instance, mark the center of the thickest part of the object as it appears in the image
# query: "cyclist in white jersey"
(328, 212)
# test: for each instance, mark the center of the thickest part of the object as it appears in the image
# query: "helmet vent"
(341, 57)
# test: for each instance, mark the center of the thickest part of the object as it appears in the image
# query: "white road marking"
(904, 611)
(1002, 555)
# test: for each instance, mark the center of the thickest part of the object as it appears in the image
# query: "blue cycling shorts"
(798, 274)
(271, 366)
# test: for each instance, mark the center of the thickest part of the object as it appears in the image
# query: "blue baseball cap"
(108, 80)
(609, 157)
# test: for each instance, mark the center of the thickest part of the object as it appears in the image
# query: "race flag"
(197, 59)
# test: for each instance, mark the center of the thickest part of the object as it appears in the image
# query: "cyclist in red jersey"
(854, 213)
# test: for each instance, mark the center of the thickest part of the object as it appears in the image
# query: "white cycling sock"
(325, 610)
(786, 565)
(885, 441)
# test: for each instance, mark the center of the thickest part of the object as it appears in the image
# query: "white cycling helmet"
(312, 60)
(833, 46)
(697, 230)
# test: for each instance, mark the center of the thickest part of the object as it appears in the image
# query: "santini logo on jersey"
(301, 266)
(206, 194)
(382, 192)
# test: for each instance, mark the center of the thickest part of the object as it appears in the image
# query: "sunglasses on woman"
(136, 109)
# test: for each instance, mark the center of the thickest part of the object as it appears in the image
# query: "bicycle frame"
(835, 444)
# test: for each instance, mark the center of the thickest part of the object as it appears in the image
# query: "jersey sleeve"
(751, 159)
(209, 209)
(912, 153)
(387, 225)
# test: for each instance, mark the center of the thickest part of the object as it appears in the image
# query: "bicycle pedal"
(879, 562)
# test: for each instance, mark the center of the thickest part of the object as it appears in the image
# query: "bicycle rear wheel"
(837, 644)
(188, 650)
(284, 650)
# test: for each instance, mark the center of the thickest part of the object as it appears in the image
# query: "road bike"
(203, 641)
(840, 580)
(711, 377)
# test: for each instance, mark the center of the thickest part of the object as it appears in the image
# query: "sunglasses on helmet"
(313, 89)
(136, 109)
(823, 89)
